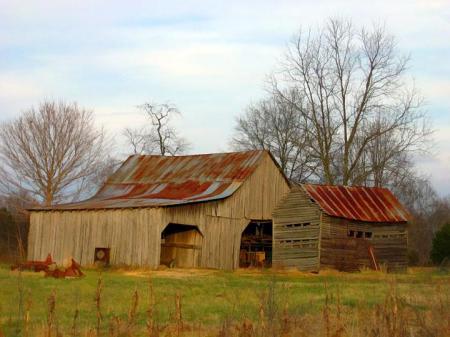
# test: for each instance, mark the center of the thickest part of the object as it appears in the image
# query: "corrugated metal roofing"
(371, 204)
(148, 180)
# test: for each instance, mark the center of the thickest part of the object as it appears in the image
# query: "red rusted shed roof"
(371, 204)
(149, 181)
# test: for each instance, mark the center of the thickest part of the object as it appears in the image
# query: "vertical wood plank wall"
(134, 235)
(222, 222)
(296, 228)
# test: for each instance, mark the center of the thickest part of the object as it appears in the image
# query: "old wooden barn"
(212, 211)
(345, 228)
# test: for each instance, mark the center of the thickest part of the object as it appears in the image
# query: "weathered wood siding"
(134, 235)
(296, 232)
(389, 241)
(222, 222)
(324, 241)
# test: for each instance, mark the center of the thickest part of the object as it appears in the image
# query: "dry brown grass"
(396, 314)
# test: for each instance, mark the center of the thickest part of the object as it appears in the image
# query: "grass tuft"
(245, 303)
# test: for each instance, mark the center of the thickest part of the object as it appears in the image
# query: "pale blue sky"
(209, 58)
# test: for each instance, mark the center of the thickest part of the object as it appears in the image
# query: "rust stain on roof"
(151, 181)
(371, 204)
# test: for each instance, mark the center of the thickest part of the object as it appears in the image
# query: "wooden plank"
(296, 244)
(180, 245)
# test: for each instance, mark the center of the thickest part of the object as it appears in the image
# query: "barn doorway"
(256, 245)
(181, 246)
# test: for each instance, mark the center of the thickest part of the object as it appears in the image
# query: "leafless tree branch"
(160, 137)
(47, 151)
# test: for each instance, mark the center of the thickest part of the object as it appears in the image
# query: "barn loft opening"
(181, 246)
(256, 245)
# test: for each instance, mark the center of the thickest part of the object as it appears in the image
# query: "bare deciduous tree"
(389, 156)
(136, 139)
(356, 117)
(356, 95)
(104, 169)
(160, 137)
(49, 151)
(275, 124)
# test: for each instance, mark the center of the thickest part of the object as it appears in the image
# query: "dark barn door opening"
(256, 245)
(181, 246)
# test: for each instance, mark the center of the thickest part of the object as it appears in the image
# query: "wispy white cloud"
(208, 58)
(436, 166)
(435, 89)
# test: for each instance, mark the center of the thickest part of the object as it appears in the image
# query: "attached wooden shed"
(340, 227)
(211, 211)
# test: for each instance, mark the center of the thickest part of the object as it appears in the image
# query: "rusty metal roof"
(371, 204)
(151, 181)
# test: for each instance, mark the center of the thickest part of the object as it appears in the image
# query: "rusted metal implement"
(73, 270)
(36, 266)
(49, 267)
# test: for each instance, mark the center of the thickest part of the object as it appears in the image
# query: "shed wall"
(324, 242)
(296, 232)
(389, 241)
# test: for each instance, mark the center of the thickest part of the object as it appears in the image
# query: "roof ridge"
(195, 154)
(346, 186)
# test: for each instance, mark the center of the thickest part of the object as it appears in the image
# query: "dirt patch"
(280, 272)
(171, 273)
(165, 272)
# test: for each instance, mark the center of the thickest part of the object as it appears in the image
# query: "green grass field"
(208, 298)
